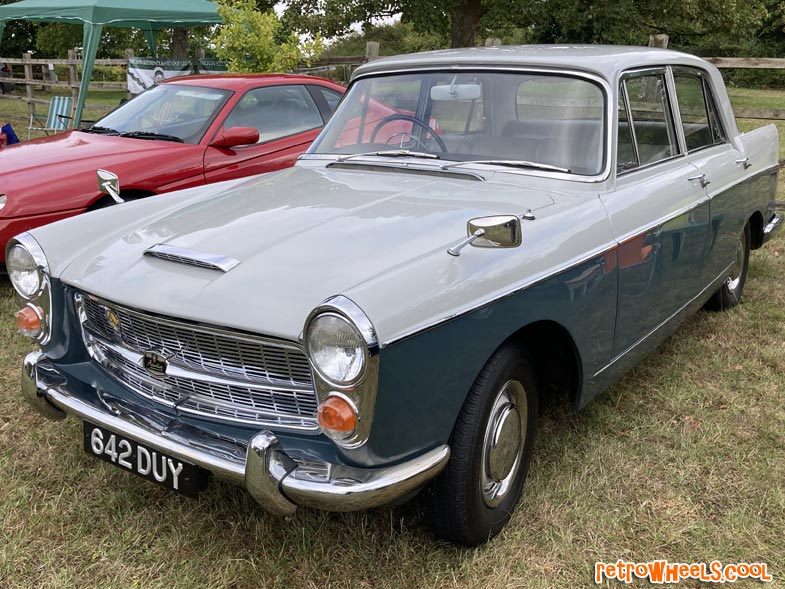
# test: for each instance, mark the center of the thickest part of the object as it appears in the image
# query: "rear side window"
(650, 120)
(697, 110)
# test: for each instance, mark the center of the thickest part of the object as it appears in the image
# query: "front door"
(659, 212)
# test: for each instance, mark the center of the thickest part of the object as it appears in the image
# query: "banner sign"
(212, 66)
(145, 73)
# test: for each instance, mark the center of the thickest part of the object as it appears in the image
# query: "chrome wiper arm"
(509, 164)
(152, 135)
(390, 153)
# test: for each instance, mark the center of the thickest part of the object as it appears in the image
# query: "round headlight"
(23, 271)
(336, 348)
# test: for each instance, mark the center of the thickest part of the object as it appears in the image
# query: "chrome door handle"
(744, 162)
(701, 178)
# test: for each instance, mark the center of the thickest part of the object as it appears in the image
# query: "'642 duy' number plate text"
(148, 463)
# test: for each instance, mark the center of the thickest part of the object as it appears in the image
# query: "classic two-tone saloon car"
(387, 316)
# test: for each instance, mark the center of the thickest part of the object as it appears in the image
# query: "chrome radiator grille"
(210, 371)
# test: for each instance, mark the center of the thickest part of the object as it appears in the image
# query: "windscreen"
(553, 120)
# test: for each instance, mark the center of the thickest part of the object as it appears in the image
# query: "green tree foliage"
(689, 23)
(393, 39)
(19, 36)
(458, 20)
(248, 40)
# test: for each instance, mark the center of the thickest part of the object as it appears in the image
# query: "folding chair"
(56, 120)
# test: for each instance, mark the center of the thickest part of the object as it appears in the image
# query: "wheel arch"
(756, 230)
(555, 358)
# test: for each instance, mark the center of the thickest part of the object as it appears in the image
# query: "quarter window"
(651, 118)
(698, 114)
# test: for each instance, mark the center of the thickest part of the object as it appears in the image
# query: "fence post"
(29, 85)
(371, 50)
(73, 78)
(493, 42)
(660, 40)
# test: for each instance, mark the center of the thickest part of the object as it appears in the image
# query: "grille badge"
(112, 318)
(156, 362)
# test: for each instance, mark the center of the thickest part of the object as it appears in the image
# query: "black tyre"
(491, 444)
(729, 294)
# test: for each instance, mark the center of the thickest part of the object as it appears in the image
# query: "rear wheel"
(474, 497)
(729, 294)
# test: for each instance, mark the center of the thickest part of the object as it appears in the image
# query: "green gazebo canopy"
(148, 15)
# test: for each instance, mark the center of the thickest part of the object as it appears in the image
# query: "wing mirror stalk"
(109, 183)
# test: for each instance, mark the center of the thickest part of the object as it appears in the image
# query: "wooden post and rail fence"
(37, 73)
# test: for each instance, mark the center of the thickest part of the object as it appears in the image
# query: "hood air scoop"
(181, 255)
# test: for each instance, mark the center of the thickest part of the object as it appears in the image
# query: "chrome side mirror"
(498, 231)
(109, 183)
(495, 231)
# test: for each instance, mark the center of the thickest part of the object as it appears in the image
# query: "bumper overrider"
(274, 479)
(775, 221)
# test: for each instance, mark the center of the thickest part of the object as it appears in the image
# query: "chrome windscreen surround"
(201, 370)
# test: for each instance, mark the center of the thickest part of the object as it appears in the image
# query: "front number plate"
(153, 465)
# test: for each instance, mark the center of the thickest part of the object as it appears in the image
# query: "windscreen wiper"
(152, 135)
(100, 130)
(390, 153)
(510, 164)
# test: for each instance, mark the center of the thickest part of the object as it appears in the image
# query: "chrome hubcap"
(502, 449)
(734, 276)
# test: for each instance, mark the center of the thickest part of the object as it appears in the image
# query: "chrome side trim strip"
(190, 257)
(710, 286)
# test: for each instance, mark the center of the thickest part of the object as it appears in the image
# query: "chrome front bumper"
(277, 481)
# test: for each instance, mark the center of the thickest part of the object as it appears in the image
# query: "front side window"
(699, 118)
(652, 121)
(276, 112)
(555, 122)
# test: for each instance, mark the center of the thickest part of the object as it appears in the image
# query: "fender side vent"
(180, 255)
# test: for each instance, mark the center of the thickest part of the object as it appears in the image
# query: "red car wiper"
(100, 130)
(152, 135)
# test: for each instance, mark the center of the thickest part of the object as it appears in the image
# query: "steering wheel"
(411, 137)
(416, 121)
(152, 123)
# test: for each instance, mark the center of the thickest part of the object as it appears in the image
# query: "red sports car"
(183, 132)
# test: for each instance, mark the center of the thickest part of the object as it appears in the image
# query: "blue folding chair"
(56, 120)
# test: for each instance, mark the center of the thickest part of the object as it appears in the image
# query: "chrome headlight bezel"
(361, 389)
(313, 352)
(41, 298)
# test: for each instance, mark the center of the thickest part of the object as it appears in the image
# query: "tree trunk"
(465, 17)
(180, 44)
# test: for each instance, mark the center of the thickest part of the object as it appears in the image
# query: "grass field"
(684, 460)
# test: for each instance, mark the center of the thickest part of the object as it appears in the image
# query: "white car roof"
(606, 61)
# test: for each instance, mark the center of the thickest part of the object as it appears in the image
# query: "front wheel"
(729, 294)
(474, 497)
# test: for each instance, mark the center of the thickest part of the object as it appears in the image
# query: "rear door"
(288, 119)
(719, 162)
(659, 211)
